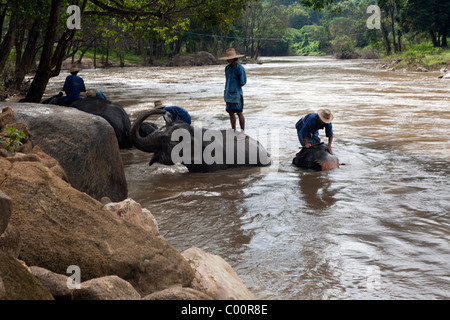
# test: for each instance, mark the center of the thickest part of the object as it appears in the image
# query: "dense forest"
(35, 37)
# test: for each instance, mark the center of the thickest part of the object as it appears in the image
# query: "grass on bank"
(129, 58)
(421, 55)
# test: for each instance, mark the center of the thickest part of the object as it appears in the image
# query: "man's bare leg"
(232, 120)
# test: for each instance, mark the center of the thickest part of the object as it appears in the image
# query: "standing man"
(73, 86)
(233, 94)
(308, 128)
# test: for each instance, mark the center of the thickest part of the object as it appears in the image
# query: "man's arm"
(307, 145)
(330, 140)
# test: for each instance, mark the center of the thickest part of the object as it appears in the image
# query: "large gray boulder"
(85, 146)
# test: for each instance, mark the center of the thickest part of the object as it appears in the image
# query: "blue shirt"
(73, 86)
(309, 126)
(101, 95)
(178, 114)
(235, 80)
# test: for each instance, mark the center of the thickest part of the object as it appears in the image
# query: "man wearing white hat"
(73, 86)
(233, 94)
(173, 113)
(308, 128)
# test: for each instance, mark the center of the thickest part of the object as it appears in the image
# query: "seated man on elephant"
(73, 86)
(95, 93)
(308, 128)
(173, 113)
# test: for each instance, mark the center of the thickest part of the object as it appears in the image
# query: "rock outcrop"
(17, 282)
(47, 224)
(132, 211)
(215, 277)
(61, 226)
(106, 288)
(5, 211)
(84, 145)
(202, 58)
(178, 293)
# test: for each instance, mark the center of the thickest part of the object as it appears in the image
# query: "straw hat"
(325, 115)
(91, 93)
(231, 54)
(158, 104)
(74, 68)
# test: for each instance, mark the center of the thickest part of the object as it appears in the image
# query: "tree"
(155, 16)
(8, 41)
(51, 58)
(431, 16)
(261, 23)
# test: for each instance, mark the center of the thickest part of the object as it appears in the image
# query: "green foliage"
(13, 138)
(343, 44)
(306, 41)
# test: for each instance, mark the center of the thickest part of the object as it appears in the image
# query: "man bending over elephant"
(308, 128)
(173, 113)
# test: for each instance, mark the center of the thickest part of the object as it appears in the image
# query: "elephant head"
(149, 138)
(316, 158)
(56, 100)
(202, 150)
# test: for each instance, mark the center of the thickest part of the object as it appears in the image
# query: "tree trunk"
(143, 51)
(444, 43)
(433, 38)
(3, 15)
(95, 53)
(85, 50)
(43, 73)
(107, 53)
(392, 13)
(8, 41)
(24, 61)
(387, 43)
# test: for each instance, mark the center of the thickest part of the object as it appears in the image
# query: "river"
(376, 228)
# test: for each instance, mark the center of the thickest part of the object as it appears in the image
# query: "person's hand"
(307, 145)
(329, 149)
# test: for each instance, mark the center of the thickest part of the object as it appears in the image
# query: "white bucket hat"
(74, 68)
(325, 115)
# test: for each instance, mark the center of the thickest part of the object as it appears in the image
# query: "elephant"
(203, 150)
(111, 112)
(316, 158)
(57, 100)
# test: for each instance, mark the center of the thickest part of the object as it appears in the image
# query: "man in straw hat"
(233, 94)
(308, 128)
(92, 93)
(73, 86)
(173, 113)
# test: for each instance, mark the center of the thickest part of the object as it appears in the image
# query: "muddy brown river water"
(376, 228)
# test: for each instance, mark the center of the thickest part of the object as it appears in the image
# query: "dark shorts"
(235, 107)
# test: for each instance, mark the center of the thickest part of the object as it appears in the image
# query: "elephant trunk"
(150, 142)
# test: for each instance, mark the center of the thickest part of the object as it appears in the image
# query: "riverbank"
(423, 57)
